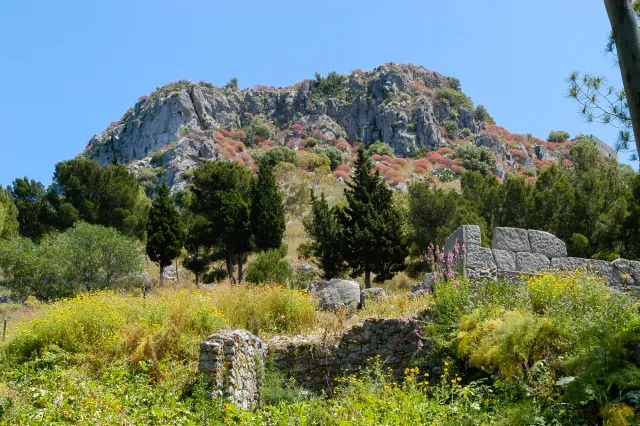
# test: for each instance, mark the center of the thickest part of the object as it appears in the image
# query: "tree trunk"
(626, 34)
(177, 275)
(367, 277)
(230, 269)
(197, 279)
(240, 271)
(161, 276)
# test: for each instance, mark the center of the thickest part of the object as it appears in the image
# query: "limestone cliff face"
(392, 103)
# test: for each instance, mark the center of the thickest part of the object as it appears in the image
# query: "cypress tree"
(267, 211)
(373, 236)
(326, 247)
(165, 232)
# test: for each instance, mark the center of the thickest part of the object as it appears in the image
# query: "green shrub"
(275, 155)
(330, 85)
(510, 342)
(447, 175)
(422, 152)
(608, 257)
(579, 245)
(85, 257)
(558, 136)
(456, 99)
(309, 161)
(333, 153)
(269, 268)
(380, 148)
(452, 128)
(476, 158)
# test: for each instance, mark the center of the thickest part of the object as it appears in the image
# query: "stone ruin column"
(234, 361)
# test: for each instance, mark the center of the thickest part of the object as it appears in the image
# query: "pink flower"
(420, 345)
(457, 283)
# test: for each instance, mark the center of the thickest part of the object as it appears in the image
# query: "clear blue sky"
(69, 68)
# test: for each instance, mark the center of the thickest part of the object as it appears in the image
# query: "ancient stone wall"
(516, 251)
(234, 362)
(315, 364)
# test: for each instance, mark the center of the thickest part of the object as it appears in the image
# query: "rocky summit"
(407, 107)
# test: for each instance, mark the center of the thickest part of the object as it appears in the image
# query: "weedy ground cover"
(556, 348)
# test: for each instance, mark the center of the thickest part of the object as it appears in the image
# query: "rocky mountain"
(404, 106)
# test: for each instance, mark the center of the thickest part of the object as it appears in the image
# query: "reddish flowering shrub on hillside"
(444, 151)
(339, 173)
(416, 85)
(383, 168)
(419, 170)
(297, 127)
(400, 161)
(532, 179)
(517, 153)
(457, 169)
(343, 168)
(225, 133)
(376, 157)
(318, 134)
(238, 134)
(425, 164)
(542, 164)
(267, 144)
(391, 175)
(357, 71)
(228, 152)
(432, 179)
(396, 181)
(386, 158)
(342, 145)
(397, 166)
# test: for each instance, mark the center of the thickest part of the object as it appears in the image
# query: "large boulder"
(372, 295)
(532, 262)
(511, 239)
(336, 292)
(547, 244)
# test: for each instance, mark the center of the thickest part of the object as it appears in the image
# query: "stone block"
(629, 271)
(547, 244)
(505, 260)
(532, 262)
(467, 235)
(511, 239)
(570, 263)
(479, 257)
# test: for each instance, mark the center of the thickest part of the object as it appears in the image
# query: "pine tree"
(267, 211)
(373, 235)
(165, 231)
(326, 234)
(223, 198)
